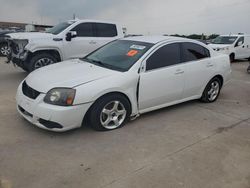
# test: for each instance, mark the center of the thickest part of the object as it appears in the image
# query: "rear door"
(163, 80)
(104, 33)
(198, 66)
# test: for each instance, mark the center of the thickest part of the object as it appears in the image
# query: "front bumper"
(50, 117)
(18, 59)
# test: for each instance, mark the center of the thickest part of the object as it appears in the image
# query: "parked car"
(67, 40)
(236, 46)
(122, 80)
(4, 48)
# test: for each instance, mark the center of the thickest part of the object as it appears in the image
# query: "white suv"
(67, 40)
(236, 46)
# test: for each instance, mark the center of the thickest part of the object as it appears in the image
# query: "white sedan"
(120, 81)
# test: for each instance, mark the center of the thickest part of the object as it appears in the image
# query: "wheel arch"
(85, 118)
(220, 77)
(54, 52)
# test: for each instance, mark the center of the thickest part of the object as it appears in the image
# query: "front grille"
(29, 92)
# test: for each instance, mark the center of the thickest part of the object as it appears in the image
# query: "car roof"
(235, 35)
(92, 20)
(157, 39)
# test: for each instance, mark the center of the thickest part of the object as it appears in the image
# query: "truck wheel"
(109, 112)
(4, 49)
(41, 60)
(232, 58)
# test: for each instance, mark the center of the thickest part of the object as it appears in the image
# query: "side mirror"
(70, 35)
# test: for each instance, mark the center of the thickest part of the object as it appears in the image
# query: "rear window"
(192, 52)
(105, 30)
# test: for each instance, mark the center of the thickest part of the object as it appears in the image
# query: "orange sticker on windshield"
(132, 53)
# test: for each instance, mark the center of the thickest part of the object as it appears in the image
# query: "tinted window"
(59, 28)
(84, 30)
(241, 39)
(105, 30)
(193, 52)
(165, 56)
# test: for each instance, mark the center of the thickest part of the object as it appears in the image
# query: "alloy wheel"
(214, 90)
(43, 62)
(5, 50)
(113, 115)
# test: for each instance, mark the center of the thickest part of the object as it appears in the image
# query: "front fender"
(92, 91)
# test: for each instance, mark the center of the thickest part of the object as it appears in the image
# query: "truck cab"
(236, 46)
(67, 40)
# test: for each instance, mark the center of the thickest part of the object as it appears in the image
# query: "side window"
(84, 30)
(165, 56)
(105, 30)
(240, 42)
(192, 52)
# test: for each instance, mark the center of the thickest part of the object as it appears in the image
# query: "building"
(22, 26)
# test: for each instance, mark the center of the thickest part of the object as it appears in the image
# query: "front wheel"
(232, 58)
(41, 60)
(212, 91)
(248, 69)
(109, 113)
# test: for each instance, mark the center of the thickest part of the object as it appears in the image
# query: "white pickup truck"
(67, 40)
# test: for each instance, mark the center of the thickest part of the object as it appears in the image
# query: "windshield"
(59, 28)
(119, 55)
(224, 40)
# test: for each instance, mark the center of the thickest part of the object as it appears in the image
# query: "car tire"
(212, 91)
(4, 49)
(248, 69)
(109, 112)
(232, 58)
(41, 60)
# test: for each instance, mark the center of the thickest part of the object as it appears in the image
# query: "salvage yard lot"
(188, 145)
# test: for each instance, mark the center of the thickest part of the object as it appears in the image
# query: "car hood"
(219, 45)
(67, 74)
(30, 35)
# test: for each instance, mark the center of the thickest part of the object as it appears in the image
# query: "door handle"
(179, 71)
(92, 42)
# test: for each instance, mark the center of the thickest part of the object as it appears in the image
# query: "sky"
(150, 17)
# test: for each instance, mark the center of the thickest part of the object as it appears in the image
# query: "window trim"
(143, 65)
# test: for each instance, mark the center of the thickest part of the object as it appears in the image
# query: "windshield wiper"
(94, 61)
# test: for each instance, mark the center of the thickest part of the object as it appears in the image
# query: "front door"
(83, 43)
(163, 80)
(241, 49)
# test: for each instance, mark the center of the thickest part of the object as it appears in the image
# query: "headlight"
(60, 96)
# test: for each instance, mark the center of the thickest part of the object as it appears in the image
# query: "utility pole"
(74, 16)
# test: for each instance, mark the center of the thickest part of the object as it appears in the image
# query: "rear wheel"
(41, 60)
(212, 91)
(4, 49)
(109, 112)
